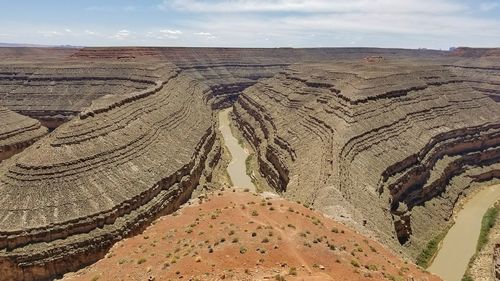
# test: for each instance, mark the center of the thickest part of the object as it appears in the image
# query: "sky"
(436, 24)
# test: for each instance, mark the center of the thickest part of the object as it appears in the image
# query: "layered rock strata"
(54, 84)
(389, 143)
(56, 92)
(104, 175)
(17, 132)
(496, 262)
(391, 146)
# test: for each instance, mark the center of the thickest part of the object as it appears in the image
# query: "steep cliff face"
(17, 132)
(392, 146)
(103, 175)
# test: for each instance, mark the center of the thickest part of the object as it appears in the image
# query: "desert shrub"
(486, 224)
(424, 258)
(467, 278)
(279, 277)
(243, 250)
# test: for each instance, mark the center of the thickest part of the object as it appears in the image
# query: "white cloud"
(377, 22)
(315, 6)
(50, 33)
(162, 34)
(205, 34)
(297, 23)
(170, 31)
(89, 32)
(396, 24)
(122, 34)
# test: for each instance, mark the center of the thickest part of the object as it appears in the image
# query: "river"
(237, 166)
(460, 242)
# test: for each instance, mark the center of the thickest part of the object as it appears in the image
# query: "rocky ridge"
(394, 145)
(104, 176)
(17, 132)
(55, 92)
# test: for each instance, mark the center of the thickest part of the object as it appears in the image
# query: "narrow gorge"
(98, 142)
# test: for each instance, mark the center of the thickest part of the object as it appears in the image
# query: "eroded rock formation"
(394, 145)
(104, 175)
(17, 132)
(56, 92)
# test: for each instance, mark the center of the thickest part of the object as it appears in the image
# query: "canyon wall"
(17, 132)
(104, 175)
(390, 142)
(55, 92)
(391, 146)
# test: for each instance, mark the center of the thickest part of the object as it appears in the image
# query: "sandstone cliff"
(17, 132)
(102, 176)
(391, 146)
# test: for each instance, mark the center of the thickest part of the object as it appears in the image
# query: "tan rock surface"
(103, 176)
(17, 132)
(391, 146)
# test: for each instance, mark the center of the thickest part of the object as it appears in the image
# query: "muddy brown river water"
(459, 244)
(237, 166)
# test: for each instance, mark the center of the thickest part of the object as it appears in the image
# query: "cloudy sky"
(436, 24)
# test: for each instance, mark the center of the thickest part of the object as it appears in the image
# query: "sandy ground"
(244, 236)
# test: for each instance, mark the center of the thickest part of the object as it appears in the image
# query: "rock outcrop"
(391, 145)
(104, 175)
(17, 132)
(55, 92)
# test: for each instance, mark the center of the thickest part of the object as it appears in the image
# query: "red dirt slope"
(242, 236)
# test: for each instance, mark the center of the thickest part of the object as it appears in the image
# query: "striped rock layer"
(17, 132)
(391, 146)
(104, 175)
